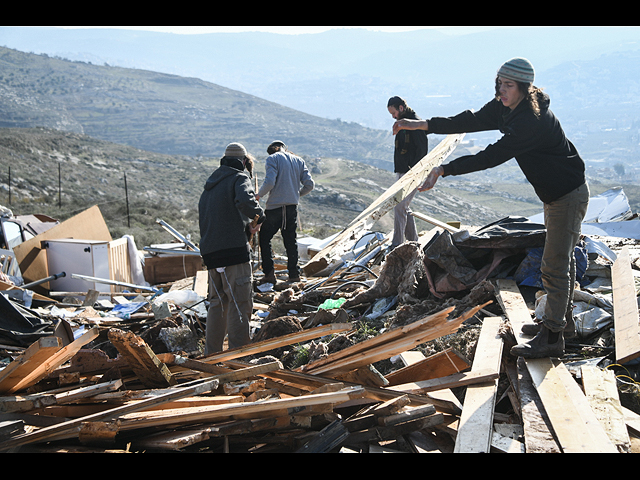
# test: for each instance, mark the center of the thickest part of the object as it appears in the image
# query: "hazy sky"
(273, 29)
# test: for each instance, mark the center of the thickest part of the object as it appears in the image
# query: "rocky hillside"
(61, 174)
(167, 113)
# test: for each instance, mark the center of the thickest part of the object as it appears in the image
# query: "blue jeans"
(563, 220)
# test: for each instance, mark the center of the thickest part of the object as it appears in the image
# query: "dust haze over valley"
(184, 97)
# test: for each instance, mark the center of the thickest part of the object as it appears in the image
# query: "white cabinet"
(83, 257)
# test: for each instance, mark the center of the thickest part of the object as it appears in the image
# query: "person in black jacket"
(227, 208)
(410, 148)
(550, 162)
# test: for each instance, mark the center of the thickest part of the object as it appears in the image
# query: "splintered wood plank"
(144, 363)
(625, 309)
(381, 206)
(538, 436)
(438, 365)
(573, 421)
(71, 428)
(54, 361)
(390, 343)
(601, 390)
(39, 351)
(510, 299)
(476, 422)
(277, 342)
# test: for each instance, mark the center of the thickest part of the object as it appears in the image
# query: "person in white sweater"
(286, 180)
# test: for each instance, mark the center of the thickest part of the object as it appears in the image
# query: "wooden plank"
(284, 340)
(455, 380)
(435, 222)
(625, 309)
(384, 204)
(54, 361)
(476, 422)
(601, 390)
(142, 360)
(383, 340)
(575, 426)
(38, 352)
(573, 423)
(438, 365)
(71, 428)
(538, 436)
(119, 263)
(391, 343)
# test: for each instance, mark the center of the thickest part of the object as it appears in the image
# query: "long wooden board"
(475, 430)
(573, 422)
(625, 309)
(383, 205)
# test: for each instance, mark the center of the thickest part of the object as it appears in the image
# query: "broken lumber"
(277, 342)
(384, 204)
(388, 344)
(625, 309)
(572, 420)
(44, 366)
(438, 365)
(601, 390)
(39, 351)
(475, 429)
(142, 360)
(71, 428)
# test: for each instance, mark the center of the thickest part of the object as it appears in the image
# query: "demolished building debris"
(373, 351)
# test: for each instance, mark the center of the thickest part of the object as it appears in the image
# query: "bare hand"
(431, 179)
(409, 124)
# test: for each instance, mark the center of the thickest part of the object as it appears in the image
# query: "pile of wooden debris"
(374, 351)
(107, 389)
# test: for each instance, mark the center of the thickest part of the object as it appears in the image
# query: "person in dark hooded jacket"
(409, 149)
(227, 208)
(550, 162)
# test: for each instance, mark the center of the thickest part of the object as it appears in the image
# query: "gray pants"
(404, 225)
(230, 307)
(563, 220)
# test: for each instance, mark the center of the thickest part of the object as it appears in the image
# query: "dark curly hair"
(530, 94)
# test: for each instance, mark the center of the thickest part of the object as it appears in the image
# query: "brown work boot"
(533, 328)
(269, 278)
(545, 344)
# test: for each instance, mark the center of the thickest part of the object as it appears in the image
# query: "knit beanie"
(517, 69)
(235, 150)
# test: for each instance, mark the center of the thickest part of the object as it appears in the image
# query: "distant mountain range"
(350, 73)
(168, 114)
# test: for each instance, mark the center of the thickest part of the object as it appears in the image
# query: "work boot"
(294, 275)
(545, 344)
(532, 329)
(269, 278)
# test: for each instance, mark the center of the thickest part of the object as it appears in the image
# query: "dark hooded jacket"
(549, 161)
(410, 146)
(227, 206)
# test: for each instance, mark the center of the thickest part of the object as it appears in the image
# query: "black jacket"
(227, 206)
(410, 147)
(549, 161)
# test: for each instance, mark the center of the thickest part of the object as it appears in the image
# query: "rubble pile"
(403, 350)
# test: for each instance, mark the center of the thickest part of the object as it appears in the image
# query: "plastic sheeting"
(459, 261)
